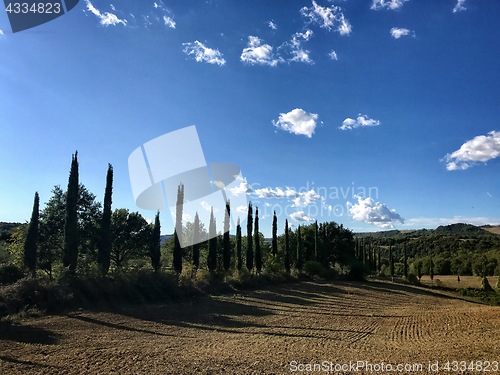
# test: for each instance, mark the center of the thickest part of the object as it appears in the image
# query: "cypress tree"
(105, 238)
(287, 248)
(154, 248)
(196, 243)
(300, 255)
(258, 253)
(379, 265)
(405, 260)
(31, 243)
(177, 260)
(249, 257)
(70, 250)
(370, 259)
(226, 251)
(275, 235)
(431, 269)
(391, 259)
(239, 263)
(212, 244)
(315, 255)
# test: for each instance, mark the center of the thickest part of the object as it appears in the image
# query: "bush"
(313, 268)
(9, 274)
(485, 285)
(413, 279)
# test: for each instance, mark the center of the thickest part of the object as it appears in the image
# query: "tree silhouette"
(300, 251)
(287, 248)
(275, 235)
(177, 260)
(30, 245)
(212, 244)
(105, 242)
(258, 253)
(239, 263)
(196, 243)
(154, 249)
(249, 257)
(226, 252)
(70, 255)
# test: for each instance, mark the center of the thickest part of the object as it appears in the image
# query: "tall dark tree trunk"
(275, 235)
(239, 263)
(212, 245)
(196, 243)
(258, 252)
(177, 260)
(226, 252)
(70, 252)
(154, 250)
(287, 248)
(31, 243)
(300, 251)
(105, 238)
(249, 257)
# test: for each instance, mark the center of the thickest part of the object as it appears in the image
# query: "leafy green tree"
(249, 257)
(239, 263)
(274, 250)
(131, 236)
(105, 240)
(196, 243)
(405, 261)
(391, 259)
(177, 260)
(226, 252)
(70, 256)
(287, 249)
(154, 247)
(212, 244)
(258, 253)
(300, 251)
(30, 245)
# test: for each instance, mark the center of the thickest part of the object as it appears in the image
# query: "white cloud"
(206, 206)
(299, 198)
(479, 149)
(333, 55)
(360, 121)
(298, 53)
(374, 213)
(300, 216)
(243, 188)
(106, 18)
(242, 209)
(297, 121)
(272, 25)
(202, 53)
(433, 222)
(169, 22)
(327, 17)
(1, 32)
(387, 4)
(397, 32)
(459, 6)
(258, 53)
(304, 199)
(112, 7)
(187, 218)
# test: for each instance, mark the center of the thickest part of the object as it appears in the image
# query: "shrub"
(313, 268)
(485, 285)
(9, 274)
(413, 279)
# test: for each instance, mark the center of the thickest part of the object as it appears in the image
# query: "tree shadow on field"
(27, 334)
(400, 289)
(22, 362)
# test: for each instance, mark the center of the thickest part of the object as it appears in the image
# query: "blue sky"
(376, 114)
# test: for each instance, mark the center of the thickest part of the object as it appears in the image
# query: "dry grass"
(494, 230)
(449, 281)
(257, 332)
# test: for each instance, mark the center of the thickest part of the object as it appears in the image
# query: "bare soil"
(259, 332)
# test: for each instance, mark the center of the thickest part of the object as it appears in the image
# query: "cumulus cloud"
(243, 188)
(387, 4)
(272, 25)
(297, 121)
(298, 54)
(480, 149)
(397, 32)
(333, 55)
(202, 53)
(459, 6)
(257, 53)
(168, 21)
(106, 18)
(328, 18)
(360, 121)
(375, 213)
(300, 216)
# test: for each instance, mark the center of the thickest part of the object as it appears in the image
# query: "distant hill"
(458, 229)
